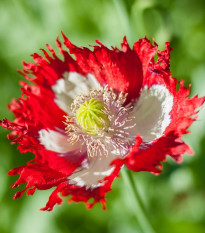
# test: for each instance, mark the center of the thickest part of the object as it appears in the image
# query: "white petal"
(55, 141)
(73, 84)
(95, 169)
(152, 112)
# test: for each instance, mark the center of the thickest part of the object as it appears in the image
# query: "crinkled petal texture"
(162, 115)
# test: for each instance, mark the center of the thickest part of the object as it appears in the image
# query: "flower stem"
(137, 202)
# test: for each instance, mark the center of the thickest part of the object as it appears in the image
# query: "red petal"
(183, 113)
(81, 194)
(150, 159)
(146, 52)
(121, 70)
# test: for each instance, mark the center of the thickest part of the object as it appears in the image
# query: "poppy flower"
(95, 110)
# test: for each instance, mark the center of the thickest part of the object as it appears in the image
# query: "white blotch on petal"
(57, 142)
(152, 112)
(73, 84)
(97, 170)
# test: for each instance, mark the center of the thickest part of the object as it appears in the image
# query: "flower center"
(92, 117)
(101, 122)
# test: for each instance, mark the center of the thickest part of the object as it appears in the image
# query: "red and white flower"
(86, 117)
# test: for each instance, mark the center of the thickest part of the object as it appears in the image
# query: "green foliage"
(175, 200)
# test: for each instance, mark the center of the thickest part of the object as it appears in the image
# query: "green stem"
(137, 202)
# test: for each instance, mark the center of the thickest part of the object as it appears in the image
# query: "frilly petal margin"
(119, 69)
(150, 158)
(48, 70)
(81, 194)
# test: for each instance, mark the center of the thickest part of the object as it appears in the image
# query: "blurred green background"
(175, 200)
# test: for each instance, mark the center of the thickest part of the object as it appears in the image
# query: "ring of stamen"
(101, 122)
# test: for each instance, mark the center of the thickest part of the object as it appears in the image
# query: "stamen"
(101, 122)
